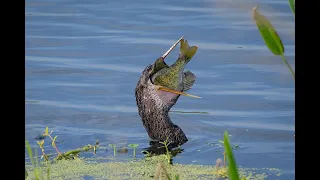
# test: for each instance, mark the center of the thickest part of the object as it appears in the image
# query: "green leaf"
(133, 145)
(292, 4)
(54, 139)
(268, 33)
(232, 168)
(46, 132)
(29, 152)
(40, 143)
(112, 145)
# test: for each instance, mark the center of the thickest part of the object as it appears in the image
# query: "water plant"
(270, 35)
(176, 177)
(146, 153)
(114, 148)
(53, 143)
(34, 164)
(144, 168)
(67, 155)
(232, 168)
(44, 155)
(168, 154)
(133, 146)
(159, 166)
(292, 6)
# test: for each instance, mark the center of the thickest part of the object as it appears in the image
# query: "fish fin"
(188, 80)
(186, 51)
(184, 46)
(190, 53)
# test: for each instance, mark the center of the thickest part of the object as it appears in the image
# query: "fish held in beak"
(172, 78)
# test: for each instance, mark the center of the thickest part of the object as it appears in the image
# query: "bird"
(154, 103)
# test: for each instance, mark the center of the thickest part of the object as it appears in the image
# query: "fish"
(173, 78)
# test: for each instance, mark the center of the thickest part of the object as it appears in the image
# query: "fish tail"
(187, 52)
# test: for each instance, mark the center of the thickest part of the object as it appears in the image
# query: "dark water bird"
(154, 103)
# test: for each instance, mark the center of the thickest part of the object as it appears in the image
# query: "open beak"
(162, 88)
(171, 48)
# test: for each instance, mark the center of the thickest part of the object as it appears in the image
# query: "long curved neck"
(153, 111)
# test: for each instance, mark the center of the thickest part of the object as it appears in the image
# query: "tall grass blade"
(29, 150)
(177, 177)
(37, 169)
(232, 168)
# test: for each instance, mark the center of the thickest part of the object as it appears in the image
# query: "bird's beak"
(171, 48)
(162, 88)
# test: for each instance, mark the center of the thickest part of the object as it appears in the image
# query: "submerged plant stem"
(286, 62)
(76, 151)
(54, 145)
(134, 152)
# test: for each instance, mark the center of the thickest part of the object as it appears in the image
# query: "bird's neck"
(153, 110)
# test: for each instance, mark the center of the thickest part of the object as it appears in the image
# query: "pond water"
(84, 58)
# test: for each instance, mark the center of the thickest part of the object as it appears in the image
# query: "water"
(84, 58)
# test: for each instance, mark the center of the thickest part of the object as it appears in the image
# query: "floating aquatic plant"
(114, 148)
(168, 154)
(133, 146)
(81, 168)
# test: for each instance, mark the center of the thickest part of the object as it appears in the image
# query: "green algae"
(140, 169)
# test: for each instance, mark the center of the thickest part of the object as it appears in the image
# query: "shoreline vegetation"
(69, 165)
